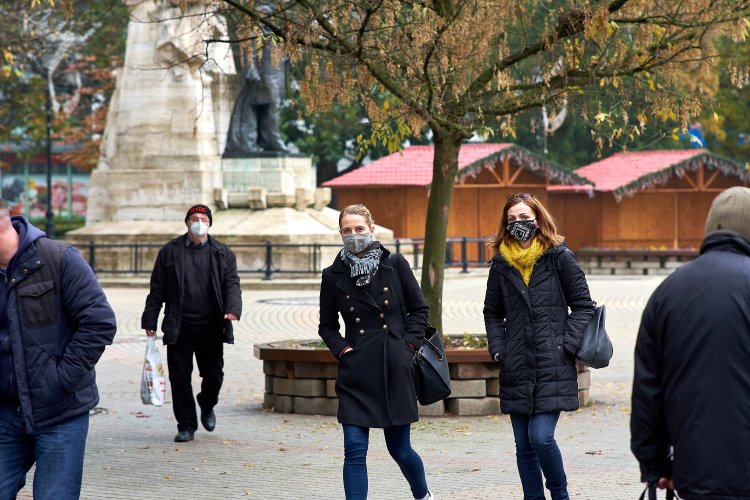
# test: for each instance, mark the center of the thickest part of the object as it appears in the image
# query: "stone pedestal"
(261, 182)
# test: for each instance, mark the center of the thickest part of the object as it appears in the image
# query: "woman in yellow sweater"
(533, 281)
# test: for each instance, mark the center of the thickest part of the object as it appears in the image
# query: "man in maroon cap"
(195, 275)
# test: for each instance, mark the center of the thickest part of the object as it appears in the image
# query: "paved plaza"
(260, 454)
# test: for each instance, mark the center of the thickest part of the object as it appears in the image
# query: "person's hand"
(231, 317)
(665, 482)
(344, 351)
(151, 333)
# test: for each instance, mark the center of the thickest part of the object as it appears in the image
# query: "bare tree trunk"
(444, 168)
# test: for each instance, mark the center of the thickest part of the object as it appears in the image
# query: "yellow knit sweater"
(521, 258)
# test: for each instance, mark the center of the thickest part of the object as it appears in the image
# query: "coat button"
(13, 280)
(347, 297)
(361, 332)
(25, 270)
(39, 262)
(351, 309)
(357, 320)
(382, 315)
(385, 289)
(385, 303)
(385, 327)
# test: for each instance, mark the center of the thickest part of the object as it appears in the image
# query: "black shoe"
(208, 419)
(184, 437)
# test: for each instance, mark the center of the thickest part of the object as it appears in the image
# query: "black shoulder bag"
(432, 379)
(596, 347)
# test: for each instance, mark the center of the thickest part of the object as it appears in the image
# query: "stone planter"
(301, 379)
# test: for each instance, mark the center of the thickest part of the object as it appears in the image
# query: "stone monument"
(164, 140)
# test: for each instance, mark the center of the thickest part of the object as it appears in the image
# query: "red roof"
(621, 169)
(410, 167)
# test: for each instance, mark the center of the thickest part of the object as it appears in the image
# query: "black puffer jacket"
(532, 334)
(691, 389)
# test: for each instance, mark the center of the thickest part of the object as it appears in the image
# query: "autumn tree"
(456, 66)
(66, 54)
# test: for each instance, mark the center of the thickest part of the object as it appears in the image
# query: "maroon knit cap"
(200, 209)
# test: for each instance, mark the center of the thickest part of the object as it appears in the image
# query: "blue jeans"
(356, 440)
(57, 450)
(537, 453)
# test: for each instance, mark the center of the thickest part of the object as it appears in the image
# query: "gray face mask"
(357, 243)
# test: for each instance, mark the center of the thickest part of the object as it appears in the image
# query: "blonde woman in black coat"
(375, 384)
(534, 338)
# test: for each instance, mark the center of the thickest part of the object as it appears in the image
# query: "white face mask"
(198, 228)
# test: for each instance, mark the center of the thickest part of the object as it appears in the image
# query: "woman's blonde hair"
(547, 228)
(358, 209)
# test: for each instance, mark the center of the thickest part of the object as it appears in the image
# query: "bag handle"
(437, 351)
(557, 277)
(393, 261)
(651, 489)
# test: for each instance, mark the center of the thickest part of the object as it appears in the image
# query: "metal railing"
(268, 259)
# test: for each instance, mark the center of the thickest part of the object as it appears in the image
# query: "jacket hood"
(725, 241)
(27, 233)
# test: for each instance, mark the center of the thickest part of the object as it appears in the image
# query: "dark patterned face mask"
(358, 242)
(522, 230)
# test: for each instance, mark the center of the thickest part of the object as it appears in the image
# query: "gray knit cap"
(730, 211)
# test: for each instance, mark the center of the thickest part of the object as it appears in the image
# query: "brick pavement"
(259, 454)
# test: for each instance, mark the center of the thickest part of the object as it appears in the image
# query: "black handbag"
(596, 347)
(432, 380)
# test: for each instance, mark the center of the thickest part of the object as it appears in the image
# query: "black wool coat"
(532, 335)
(375, 382)
(691, 389)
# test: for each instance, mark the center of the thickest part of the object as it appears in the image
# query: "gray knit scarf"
(366, 266)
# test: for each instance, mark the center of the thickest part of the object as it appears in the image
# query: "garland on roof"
(709, 161)
(536, 164)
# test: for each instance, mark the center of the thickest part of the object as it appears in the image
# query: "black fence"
(310, 258)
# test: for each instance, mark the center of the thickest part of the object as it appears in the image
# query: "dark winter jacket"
(375, 382)
(59, 322)
(168, 285)
(691, 389)
(531, 334)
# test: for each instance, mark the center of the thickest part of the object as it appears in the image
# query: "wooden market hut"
(396, 187)
(644, 200)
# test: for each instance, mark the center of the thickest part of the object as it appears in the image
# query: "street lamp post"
(50, 222)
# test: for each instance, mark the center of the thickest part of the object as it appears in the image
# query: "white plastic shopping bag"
(153, 383)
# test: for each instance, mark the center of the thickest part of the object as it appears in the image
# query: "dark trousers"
(536, 453)
(203, 341)
(356, 442)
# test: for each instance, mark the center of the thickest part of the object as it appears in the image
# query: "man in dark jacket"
(54, 325)
(196, 277)
(691, 391)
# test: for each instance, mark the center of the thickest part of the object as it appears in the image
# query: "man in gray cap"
(690, 422)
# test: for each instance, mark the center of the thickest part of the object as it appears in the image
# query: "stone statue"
(254, 126)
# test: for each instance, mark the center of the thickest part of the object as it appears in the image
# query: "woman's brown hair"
(358, 209)
(547, 228)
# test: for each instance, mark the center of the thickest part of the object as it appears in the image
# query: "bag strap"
(557, 276)
(651, 489)
(393, 261)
